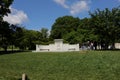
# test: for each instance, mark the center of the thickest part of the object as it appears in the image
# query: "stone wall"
(58, 46)
(117, 45)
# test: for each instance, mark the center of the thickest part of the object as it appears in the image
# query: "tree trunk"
(12, 47)
(113, 45)
(5, 48)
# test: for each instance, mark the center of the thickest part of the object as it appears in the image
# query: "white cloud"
(76, 6)
(16, 16)
(62, 3)
(119, 0)
(79, 7)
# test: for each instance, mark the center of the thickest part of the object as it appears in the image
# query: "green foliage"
(44, 32)
(73, 29)
(6, 35)
(44, 35)
(84, 65)
(4, 7)
(27, 39)
(101, 26)
(5, 30)
(105, 24)
(71, 37)
(64, 25)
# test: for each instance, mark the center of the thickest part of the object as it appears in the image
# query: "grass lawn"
(89, 65)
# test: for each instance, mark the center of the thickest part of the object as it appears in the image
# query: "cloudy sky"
(36, 14)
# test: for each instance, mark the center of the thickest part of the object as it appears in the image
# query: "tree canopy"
(4, 7)
(106, 25)
(5, 28)
(102, 27)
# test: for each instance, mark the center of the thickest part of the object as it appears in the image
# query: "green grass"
(85, 65)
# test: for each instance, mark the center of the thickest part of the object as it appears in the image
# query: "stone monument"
(58, 46)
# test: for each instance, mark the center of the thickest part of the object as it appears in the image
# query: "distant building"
(58, 46)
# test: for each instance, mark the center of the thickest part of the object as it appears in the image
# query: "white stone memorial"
(58, 46)
(117, 45)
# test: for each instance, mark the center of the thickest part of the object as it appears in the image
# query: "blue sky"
(36, 14)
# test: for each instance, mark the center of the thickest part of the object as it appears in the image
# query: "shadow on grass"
(108, 50)
(13, 52)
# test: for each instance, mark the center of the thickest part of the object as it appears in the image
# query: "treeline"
(103, 27)
(15, 36)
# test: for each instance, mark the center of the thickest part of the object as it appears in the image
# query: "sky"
(37, 14)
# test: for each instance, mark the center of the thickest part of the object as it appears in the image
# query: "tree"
(7, 35)
(32, 37)
(4, 7)
(11, 35)
(19, 38)
(44, 32)
(105, 24)
(4, 26)
(63, 26)
(4, 35)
